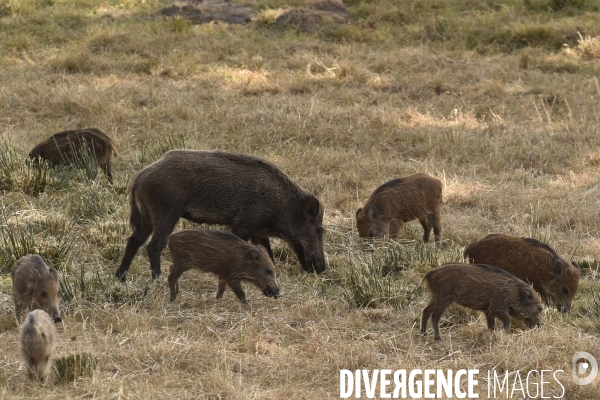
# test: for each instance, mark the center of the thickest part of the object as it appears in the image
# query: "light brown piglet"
(551, 275)
(37, 343)
(35, 286)
(222, 253)
(417, 196)
(68, 147)
(480, 287)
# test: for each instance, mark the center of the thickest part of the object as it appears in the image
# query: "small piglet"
(35, 286)
(481, 287)
(225, 255)
(417, 196)
(37, 343)
(69, 146)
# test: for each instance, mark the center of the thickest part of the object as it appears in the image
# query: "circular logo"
(584, 367)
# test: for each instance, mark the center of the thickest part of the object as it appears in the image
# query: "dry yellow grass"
(478, 95)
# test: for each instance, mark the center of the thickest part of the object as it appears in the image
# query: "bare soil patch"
(201, 12)
(315, 16)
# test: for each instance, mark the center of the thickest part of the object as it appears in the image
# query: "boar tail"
(425, 279)
(135, 219)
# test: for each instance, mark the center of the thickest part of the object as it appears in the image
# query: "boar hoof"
(155, 274)
(121, 275)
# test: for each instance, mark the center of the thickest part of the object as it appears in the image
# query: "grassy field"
(497, 98)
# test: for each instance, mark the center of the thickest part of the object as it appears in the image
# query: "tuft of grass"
(20, 240)
(92, 203)
(98, 287)
(74, 366)
(171, 142)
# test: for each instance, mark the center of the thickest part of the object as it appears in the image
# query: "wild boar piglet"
(480, 287)
(551, 275)
(222, 253)
(401, 200)
(35, 286)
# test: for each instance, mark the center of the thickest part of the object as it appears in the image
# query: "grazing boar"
(553, 277)
(481, 287)
(248, 194)
(37, 343)
(417, 196)
(35, 286)
(225, 255)
(68, 147)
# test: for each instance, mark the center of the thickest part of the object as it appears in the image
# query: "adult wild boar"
(69, 147)
(246, 193)
(417, 196)
(480, 287)
(35, 286)
(553, 277)
(37, 343)
(225, 255)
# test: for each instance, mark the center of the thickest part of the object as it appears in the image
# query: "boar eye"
(565, 290)
(269, 272)
(31, 360)
(44, 294)
(47, 358)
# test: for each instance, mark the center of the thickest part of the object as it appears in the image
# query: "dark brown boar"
(68, 147)
(35, 286)
(37, 343)
(417, 196)
(553, 277)
(246, 193)
(481, 287)
(225, 255)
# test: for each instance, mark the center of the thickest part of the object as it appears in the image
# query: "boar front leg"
(221, 290)
(505, 318)
(491, 321)
(264, 241)
(236, 286)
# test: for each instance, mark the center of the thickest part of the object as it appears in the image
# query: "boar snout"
(56, 318)
(272, 292)
(311, 261)
(563, 307)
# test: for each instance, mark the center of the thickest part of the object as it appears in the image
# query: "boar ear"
(311, 208)
(255, 253)
(575, 264)
(372, 213)
(358, 211)
(525, 294)
(558, 269)
(53, 273)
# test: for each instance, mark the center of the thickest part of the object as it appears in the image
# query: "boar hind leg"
(426, 228)
(135, 241)
(221, 290)
(161, 233)
(236, 286)
(426, 314)
(174, 281)
(439, 309)
(435, 221)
